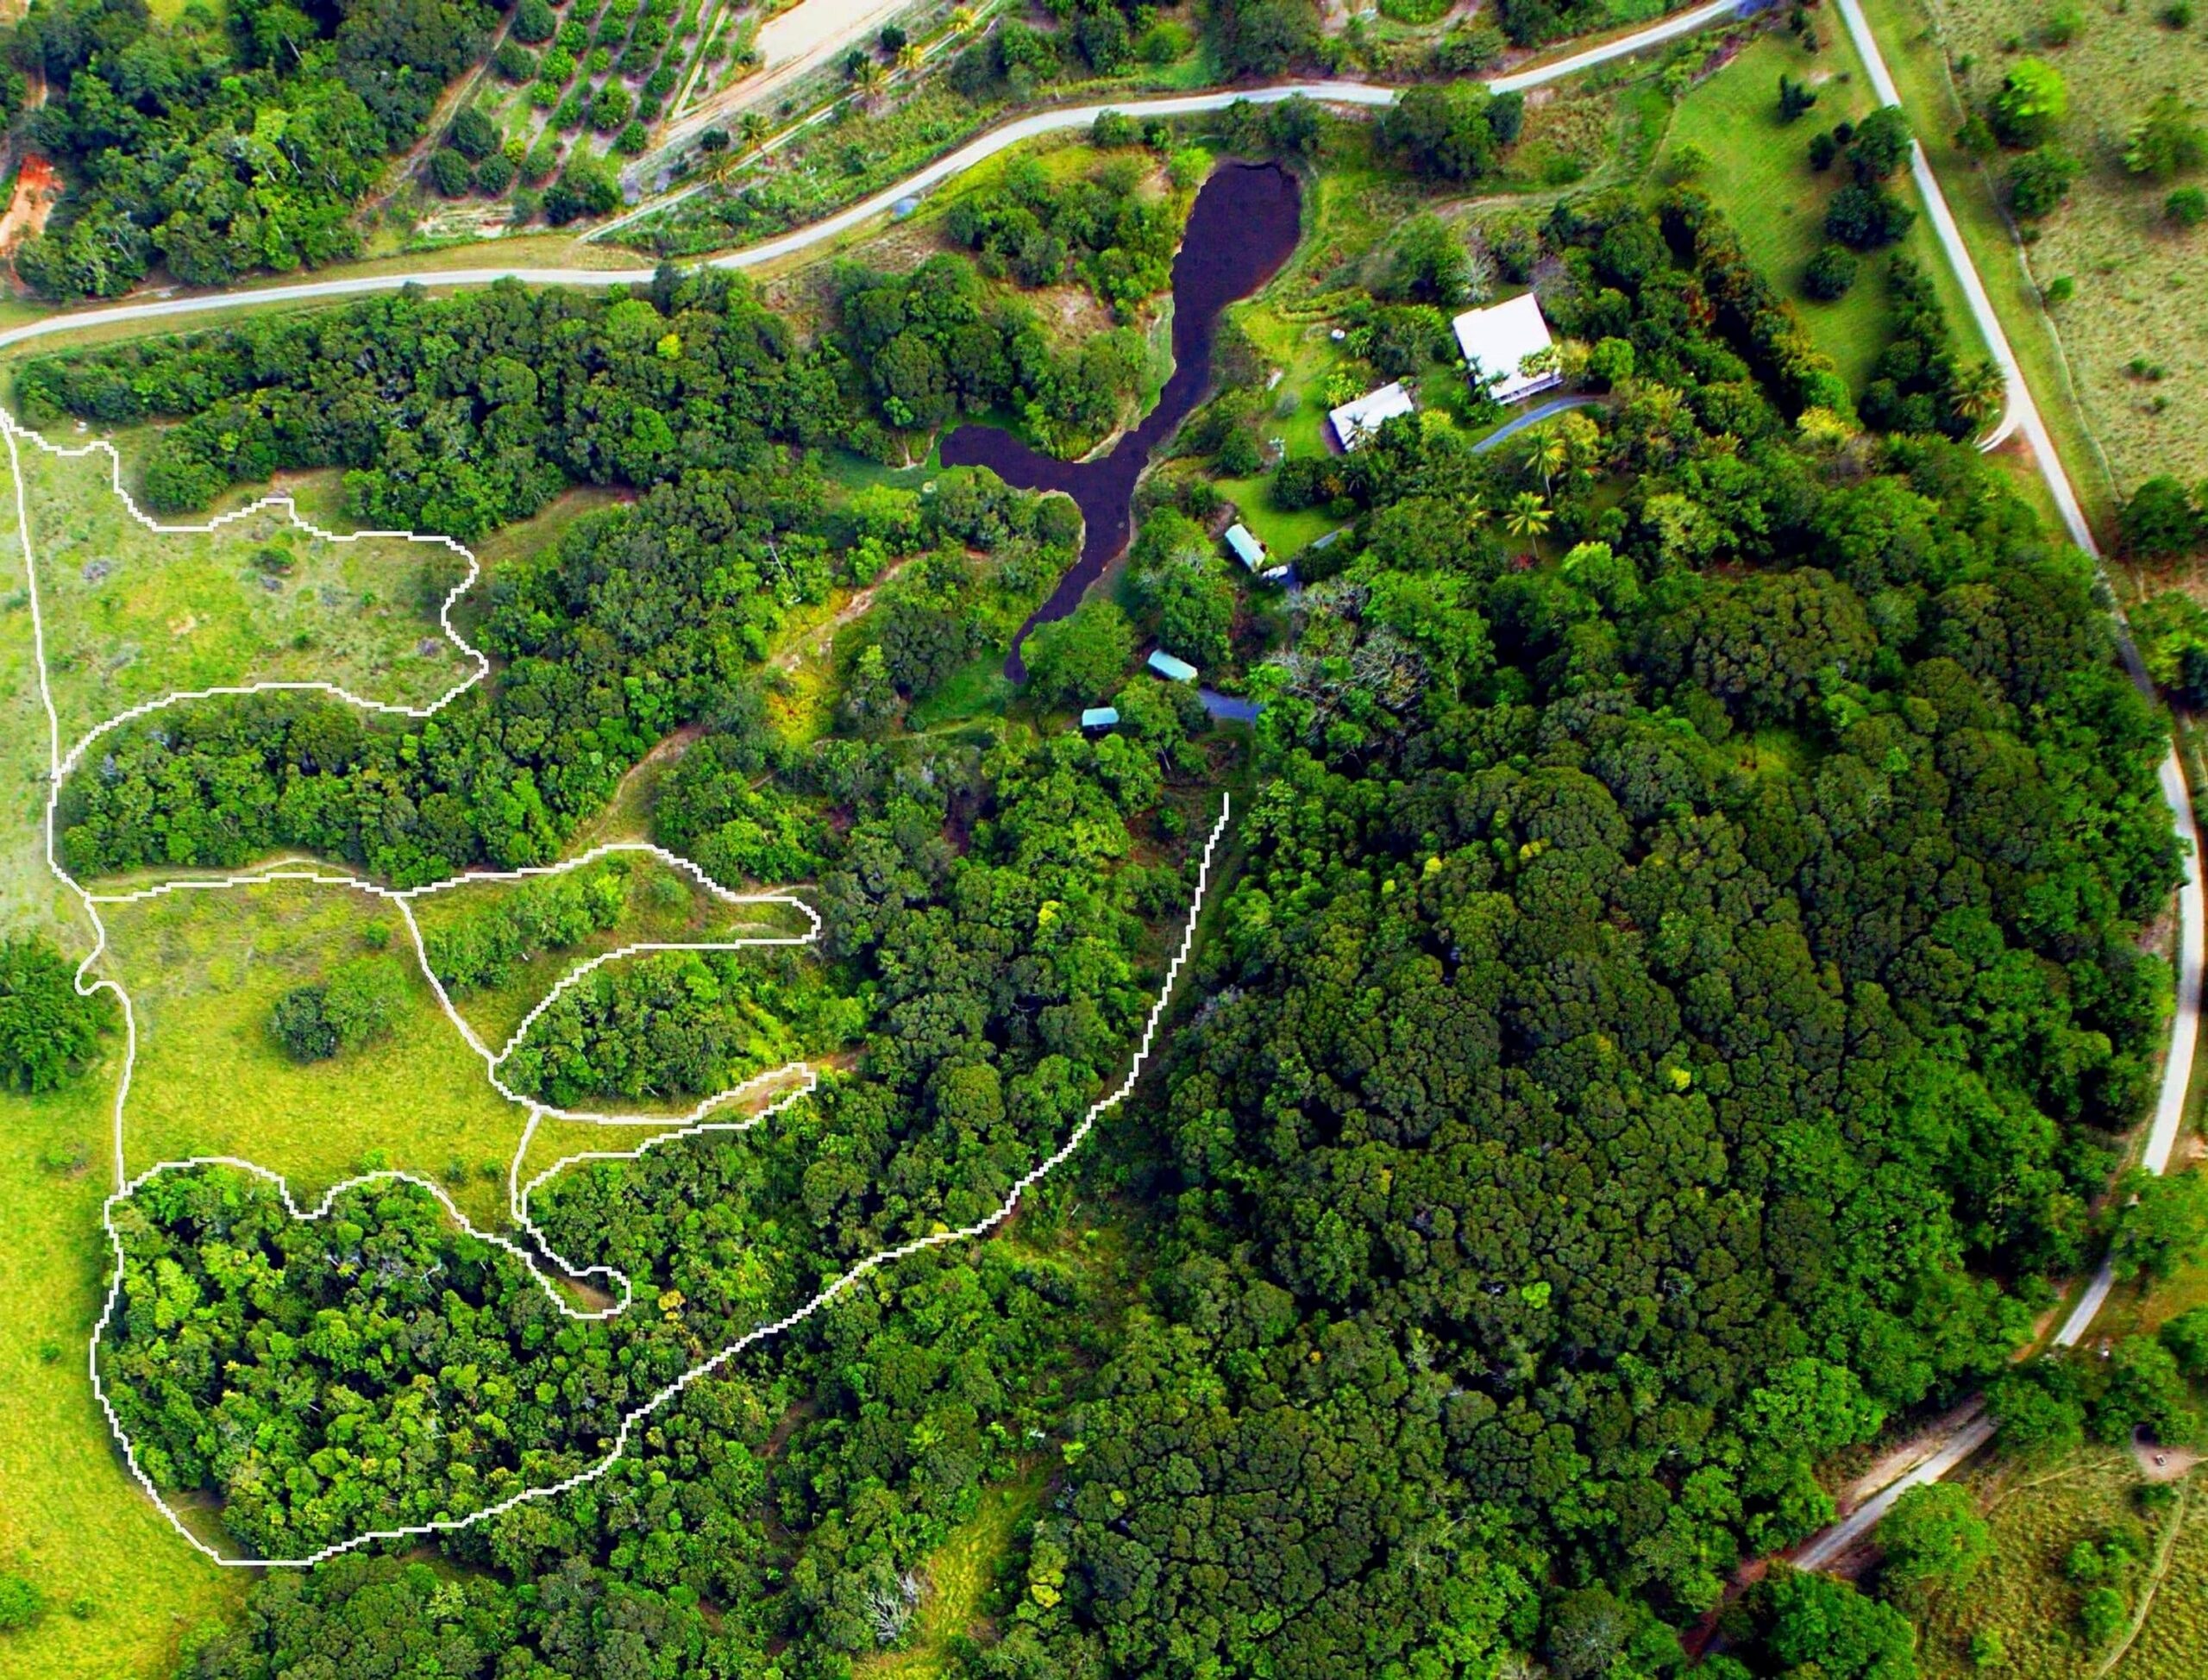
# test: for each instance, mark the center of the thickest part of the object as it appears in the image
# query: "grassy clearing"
(132, 614)
(978, 688)
(1759, 173)
(960, 1573)
(204, 970)
(2037, 1516)
(73, 1522)
(2141, 284)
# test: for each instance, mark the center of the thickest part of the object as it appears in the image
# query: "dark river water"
(1241, 228)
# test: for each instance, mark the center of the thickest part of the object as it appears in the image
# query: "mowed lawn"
(1759, 173)
(121, 1588)
(133, 614)
(204, 970)
(2142, 282)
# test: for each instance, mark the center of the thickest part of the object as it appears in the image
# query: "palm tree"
(868, 78)
(908, 57)
(961, 20)
(1528, 516)
(1545, 454)
(1980, 391)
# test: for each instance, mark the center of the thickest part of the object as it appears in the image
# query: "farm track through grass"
(2054, 348)
(2023, 1594)
(31, 900)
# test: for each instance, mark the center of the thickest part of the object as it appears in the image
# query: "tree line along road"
(944, 168)
(1967, 1434)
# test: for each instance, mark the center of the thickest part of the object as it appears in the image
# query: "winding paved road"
(966, 157)
(2023, 416)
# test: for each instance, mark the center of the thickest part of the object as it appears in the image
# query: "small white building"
(1354, 422)
(1497, 340)
(1246, 547)
(1172, 669)
(1100, 717)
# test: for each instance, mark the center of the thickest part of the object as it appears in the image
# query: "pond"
(1241, 228)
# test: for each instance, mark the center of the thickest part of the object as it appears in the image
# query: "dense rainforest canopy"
(1676, 997)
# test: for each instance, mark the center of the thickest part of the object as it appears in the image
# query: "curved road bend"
(943, 169)
(1967, 1437)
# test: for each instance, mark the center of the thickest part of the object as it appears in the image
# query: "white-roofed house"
(1353, 423)
(1496, 341)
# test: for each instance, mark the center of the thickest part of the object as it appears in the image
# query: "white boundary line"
(16, 434)
(693, 1123)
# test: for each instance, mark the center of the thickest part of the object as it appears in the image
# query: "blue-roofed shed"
(1172, 669)
(1100, 717)
(1246, 547)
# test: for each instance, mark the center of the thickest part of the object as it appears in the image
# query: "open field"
(132, 614)
(204, 970)
(2025, 1594)
(73, 1522)
(2142, 283)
